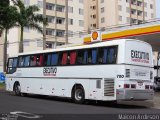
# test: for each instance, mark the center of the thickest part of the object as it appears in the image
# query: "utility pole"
(44, 27)
(55, 44)
(66, 17)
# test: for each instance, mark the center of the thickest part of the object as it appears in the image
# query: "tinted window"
(39, 60)
(64, 58)
(80, 57)
(47, 59)
(33, 60)
(15, 61)
(73, 56)
(109, 55)
(54, 59)
(21, 61)
(26, 61)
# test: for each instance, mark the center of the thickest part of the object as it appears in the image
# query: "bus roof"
(100, 44)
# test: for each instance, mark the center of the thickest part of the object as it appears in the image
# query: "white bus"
(106, 71)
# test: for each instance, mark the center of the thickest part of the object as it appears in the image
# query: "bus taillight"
(126, 85)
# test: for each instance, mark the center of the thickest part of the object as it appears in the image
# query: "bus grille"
(108, 87)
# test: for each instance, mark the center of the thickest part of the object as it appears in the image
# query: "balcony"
(50, 12)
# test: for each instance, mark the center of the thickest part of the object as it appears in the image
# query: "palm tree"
(28, 19)
(7, 21)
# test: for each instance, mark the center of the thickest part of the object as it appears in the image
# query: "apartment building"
(105, 13)
(57, 15)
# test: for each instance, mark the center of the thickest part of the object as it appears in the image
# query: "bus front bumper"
(127, 94)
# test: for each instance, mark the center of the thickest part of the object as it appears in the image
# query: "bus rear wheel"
(17, 89)
(78, 95)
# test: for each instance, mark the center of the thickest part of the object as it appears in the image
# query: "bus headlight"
(127, 73)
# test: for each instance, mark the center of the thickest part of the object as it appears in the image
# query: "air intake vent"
(108, 87)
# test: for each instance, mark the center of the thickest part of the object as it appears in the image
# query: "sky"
(158, 8)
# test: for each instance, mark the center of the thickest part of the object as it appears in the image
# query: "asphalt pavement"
(49, 106)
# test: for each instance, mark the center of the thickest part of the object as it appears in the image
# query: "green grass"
(2, 85)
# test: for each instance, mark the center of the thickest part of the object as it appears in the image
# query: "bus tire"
(17, 89)
(78, 94)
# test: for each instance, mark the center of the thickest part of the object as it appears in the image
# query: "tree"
(28, 19)
(8, 15)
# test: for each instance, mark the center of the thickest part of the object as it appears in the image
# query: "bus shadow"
(123, 105)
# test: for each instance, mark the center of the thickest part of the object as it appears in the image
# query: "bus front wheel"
(78, 95)
(17, 89)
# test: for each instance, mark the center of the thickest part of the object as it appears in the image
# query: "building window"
(70, 9)
(139, 3)
(119, 7)
(151, 6)
(80, 1)
(49, 31)
(120, 18)
(39, 43)
(40, 4)
(81, 23)
(133, 11)
(139, 13)
(94, 25)
(49, 6)
(49, 45)
(60, 33)
(60, 20)
(70, 21)
(102, 10)
(133, 21)
(93, 7)
(93, 16)
(60, 8)
(145, 4)
(102, 20)
(102, 1)
(80, 11)
(50, 19)
(134, 2)
(26, 42)
(140, 21)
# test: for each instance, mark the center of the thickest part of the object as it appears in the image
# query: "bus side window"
(64, 58)
(100, 56)
(47, 59)
(89, 57)
(112, 55)
(54, 60)
(94, 56)
(73, 56)
(21, 61)
(105, 54)
(80, 57)
(12, 65)
(39, 60)
(85, 57)
(33, 60)
(26, 61)
(15, 61)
